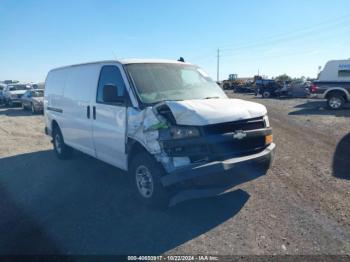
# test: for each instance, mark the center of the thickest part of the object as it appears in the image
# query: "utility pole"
(218, 66)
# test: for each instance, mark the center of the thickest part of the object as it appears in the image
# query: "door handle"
(88, 112)
(94, 112)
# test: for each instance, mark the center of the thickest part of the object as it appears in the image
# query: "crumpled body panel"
(212, 111)
(144, 125)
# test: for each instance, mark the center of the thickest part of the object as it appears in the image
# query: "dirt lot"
(83, 206)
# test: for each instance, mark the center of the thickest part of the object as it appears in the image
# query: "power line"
(305, 31)
(329, 23)
(327, 36)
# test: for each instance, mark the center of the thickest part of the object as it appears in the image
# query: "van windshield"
(160, 82)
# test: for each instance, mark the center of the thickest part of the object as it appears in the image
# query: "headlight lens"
(266, 120)
(178, 132)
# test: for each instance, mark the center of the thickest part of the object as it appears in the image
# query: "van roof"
(129, 61)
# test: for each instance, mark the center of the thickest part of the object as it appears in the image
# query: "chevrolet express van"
(165, 122)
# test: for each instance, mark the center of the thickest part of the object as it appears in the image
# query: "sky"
(271, 37)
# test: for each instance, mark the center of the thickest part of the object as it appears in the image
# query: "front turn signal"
(268, 139)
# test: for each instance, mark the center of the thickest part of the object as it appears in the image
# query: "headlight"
(266, 120)
(178, 132)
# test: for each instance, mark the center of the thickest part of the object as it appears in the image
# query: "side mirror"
(110, 94)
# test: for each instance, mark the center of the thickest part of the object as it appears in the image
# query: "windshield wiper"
(211, 97)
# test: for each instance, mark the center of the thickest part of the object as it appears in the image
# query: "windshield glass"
(18, 87)
(38, 93)
(160, 82)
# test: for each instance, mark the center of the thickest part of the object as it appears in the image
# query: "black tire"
(335, 102)
(266, 94)
(62, 151)
(226, 86)
(158, 196)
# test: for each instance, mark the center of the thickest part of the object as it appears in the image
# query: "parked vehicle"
(38, 85)
(165, 122)
(13, 94)
(2, 94)
(33, 99)
(267, 87)
(333, 84)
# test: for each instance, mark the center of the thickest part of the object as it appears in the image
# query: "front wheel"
(335, 102)
(146, 175)
(61, 149)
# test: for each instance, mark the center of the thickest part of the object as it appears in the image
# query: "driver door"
(109, 118)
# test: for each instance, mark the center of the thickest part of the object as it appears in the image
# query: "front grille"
(238, 147)
(229, 127)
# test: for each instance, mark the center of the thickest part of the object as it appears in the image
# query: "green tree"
(283, 78)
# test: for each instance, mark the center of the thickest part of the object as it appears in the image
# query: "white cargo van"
(165, 122)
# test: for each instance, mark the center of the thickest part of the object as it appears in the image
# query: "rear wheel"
(335, 101)
(266, 94)
(146, 175)
(61, 149)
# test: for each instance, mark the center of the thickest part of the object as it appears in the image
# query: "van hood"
(18, 92)
(212, 111)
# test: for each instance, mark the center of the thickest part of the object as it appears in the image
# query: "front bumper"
(216, 177)
(193, 172)
(15, 100)
(39, 107)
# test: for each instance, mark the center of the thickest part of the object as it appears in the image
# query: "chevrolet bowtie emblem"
(240, 134)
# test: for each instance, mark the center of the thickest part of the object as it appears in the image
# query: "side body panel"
(323, 88)
(81, 82)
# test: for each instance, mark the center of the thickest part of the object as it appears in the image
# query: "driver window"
(110, 75)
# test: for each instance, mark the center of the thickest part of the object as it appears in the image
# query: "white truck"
(165, 122)
(333, 83)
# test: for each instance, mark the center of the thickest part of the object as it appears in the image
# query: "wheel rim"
(266, 94)
(58, 144)
(335, 102)
(144, 181)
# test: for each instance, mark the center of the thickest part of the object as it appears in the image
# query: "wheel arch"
(341, 91)
(132, 148)
(54, 125)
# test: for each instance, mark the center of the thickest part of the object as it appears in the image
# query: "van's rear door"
(109, 119)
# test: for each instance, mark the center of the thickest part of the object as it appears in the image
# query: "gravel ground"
(83, 206)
